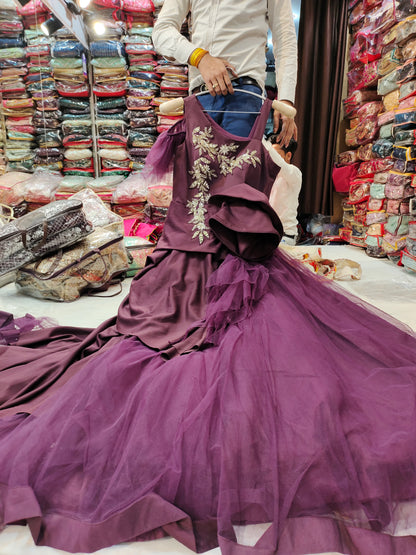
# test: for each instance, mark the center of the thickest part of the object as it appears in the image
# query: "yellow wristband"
(197, 56)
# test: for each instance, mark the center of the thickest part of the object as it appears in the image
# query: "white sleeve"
(166, 35)
(285, 47)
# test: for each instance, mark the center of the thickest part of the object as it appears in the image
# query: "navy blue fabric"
(11, 42)
(107, 48)
(230, 106)
(67, 49)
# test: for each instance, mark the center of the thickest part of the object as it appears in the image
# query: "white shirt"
(284, 196)
(235, 30)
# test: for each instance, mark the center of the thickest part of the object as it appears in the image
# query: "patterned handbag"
(42, 231)
(93, 264)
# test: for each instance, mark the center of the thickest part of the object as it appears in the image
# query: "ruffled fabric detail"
(12, 328)
(244, 222)
(233, 291)
(161, 153)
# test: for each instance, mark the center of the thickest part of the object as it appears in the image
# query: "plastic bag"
(388, 83)
(78, 90)
(78, 153)
(72, 184)
(391, 100)
(382, 148)
(113, 153)
(105, 183)
(115, 89)
(42, 186)
(408, 50)
(132, 189)
(67, 49)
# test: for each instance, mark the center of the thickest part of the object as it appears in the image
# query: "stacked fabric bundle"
(70, 73)
(41, 85)
(3, 160)
(398, 240)
(34, 13)
(17, 106)
(41, 187)
(374, 168)
(143, 83)
(391, 190)
(174, 81)
(130, 196)
(110, 82)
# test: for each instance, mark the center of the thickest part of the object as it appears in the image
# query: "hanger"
(175, 105)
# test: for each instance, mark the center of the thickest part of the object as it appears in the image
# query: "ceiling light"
(51, 25)
(83, 4)
(98, 28)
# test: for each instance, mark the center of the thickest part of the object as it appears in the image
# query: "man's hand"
(216, 74)
(289, 128)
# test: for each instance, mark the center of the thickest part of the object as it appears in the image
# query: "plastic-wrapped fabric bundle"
(66, 63)
(112, 140)
(67, 49)
(131, 190)
(105, 183)
(107, 49)
(110, 75)
(70, 72)
(16, 102)
(40, 188)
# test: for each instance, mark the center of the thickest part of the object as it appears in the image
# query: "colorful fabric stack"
(11, 78)
(377, 169)
(399, 238)
(143, 83)
(70, 72)
(17, 105)
(174, 81)
(41, 85)
(3, 159)
(110, 78)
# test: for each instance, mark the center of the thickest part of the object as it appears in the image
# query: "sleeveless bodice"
(213, 167)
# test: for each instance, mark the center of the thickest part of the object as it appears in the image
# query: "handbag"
(42, 231)
(93, 264)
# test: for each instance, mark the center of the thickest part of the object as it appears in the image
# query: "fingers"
(223, 84)
(287, 131)
(276, 121)
(216, 74)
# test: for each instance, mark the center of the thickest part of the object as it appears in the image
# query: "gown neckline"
(265, 107)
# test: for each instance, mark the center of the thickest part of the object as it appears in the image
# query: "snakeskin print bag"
(91, 265)
(42, 231)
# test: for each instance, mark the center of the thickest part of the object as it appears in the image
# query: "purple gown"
(234, 387)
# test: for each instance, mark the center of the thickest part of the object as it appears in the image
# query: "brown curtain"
(323, 28)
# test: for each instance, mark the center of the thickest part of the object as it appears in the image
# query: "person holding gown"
(228, 51)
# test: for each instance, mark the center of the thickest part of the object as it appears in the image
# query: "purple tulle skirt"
(299, 411)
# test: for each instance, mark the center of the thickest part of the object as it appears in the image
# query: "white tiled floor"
(384, 285)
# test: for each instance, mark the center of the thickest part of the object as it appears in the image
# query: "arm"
(170, 43)
(166, 34)
(285, 53)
